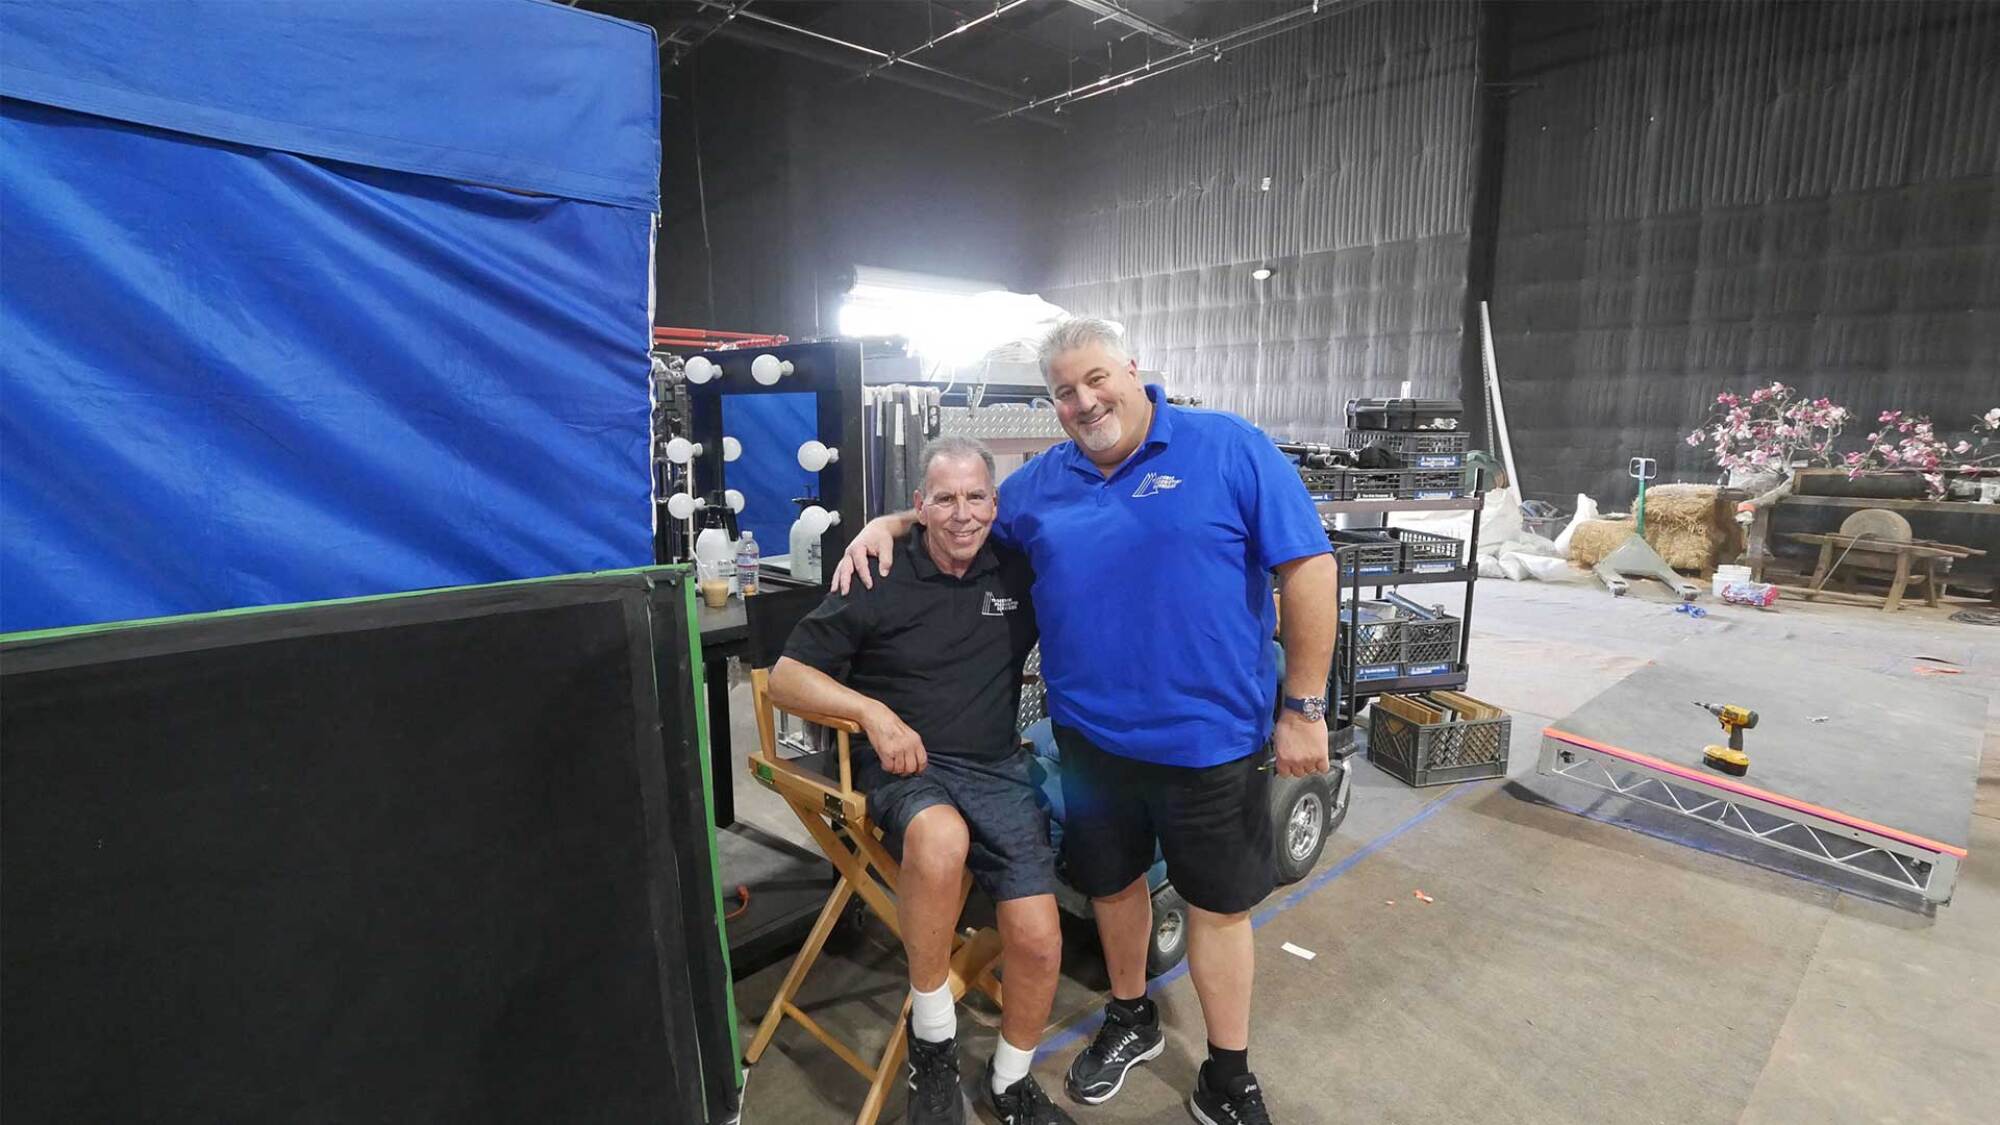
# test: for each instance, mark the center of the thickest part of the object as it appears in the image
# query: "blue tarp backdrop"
(311, 301)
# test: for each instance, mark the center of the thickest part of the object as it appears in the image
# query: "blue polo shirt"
(1152, 586)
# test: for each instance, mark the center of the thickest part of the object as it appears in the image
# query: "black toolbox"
(1425, 415)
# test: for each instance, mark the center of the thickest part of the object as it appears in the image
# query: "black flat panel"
(398, 860)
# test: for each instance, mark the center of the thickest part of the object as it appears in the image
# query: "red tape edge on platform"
(1715, 782)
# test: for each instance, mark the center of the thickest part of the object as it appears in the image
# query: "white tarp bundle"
(1507, 549)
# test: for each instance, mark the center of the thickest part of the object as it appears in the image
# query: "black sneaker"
(1239, 1102)
(1024, 1103)
(1121, 1044)
(937, 1097)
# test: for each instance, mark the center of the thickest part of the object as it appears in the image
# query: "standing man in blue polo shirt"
(1153, 534)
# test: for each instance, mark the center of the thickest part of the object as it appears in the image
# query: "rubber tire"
(1168, 944)
(1339, 779)
(1287, 795)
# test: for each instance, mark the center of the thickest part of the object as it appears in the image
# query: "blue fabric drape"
(523, 94)
(234, 375)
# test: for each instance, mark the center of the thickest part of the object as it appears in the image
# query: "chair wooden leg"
(877, 854)
(972, 960)
(1894, 601)
(989, 983)
(890, 1068)
(851, 864)
(829, 916)
(859, 857)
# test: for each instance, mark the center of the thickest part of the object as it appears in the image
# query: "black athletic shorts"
(1010, 854)
(1213, 824)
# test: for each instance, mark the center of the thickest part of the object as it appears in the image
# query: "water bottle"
(746, 564)
(713, 565)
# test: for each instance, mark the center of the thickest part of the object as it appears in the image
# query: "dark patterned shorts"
(1010, 856)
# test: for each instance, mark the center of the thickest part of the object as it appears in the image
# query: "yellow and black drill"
(1729, 759)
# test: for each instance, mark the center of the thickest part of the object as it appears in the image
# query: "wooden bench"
(1877, 542)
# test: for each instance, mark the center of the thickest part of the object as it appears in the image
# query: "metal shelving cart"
(1416, 650)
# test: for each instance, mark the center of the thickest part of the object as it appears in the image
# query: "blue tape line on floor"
(1087, 1026)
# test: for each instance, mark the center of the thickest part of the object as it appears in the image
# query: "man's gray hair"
(1080, 332)
(956, 448)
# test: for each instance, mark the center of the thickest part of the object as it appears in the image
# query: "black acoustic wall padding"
(416, 859)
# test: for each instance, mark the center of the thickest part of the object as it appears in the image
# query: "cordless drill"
(1729, 759)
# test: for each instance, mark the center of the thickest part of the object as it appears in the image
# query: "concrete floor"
(1569, 969)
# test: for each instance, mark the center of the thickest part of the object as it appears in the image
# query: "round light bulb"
(680, 450)
(818, 519)
(700, 370)
(683, 506)
(731, 449)
(814, 456)
(733, 498)
(767, 369)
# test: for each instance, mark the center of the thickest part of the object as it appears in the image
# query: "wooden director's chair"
(836, 815)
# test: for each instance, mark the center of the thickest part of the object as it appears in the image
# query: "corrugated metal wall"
(1703, 196)
(1363, 124)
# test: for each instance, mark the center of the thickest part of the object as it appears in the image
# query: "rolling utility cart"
(1406, 456)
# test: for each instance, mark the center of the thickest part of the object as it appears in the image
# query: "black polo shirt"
(943, 653)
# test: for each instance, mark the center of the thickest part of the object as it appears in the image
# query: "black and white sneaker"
(1121, 1044)
(1024, 1103)
(937, 1097)
(1238, 1102)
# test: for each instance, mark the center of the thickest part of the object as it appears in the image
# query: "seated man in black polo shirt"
(929, 664)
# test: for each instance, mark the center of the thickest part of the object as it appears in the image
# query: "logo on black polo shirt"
(991, 606)
(1155, 483)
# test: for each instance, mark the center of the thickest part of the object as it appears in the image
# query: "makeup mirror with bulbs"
(751, 412)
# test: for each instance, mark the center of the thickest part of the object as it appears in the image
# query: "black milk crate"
(1426, 552)
(1438, 738)
(1396, 638)
(1372, 553)
(1390, 551)
(1408, 414)
(1430, 638)
(1402, 484)
(1376, 640)
(1419, 450)
(1430, 647)
(1326, 484)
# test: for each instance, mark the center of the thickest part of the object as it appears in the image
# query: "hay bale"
(1684, 548)
(1594, 539)
(1681, 525)
(1681, 505)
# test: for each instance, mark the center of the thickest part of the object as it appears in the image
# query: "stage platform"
(1858, 762)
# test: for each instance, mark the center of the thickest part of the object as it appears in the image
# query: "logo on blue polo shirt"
(1155, 483)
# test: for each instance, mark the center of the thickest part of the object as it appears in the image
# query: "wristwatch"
(1313, 707)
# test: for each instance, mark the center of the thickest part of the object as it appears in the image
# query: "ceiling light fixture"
(1262, 273)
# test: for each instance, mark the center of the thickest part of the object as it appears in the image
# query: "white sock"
(1010, 1065)
(933, 1015)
